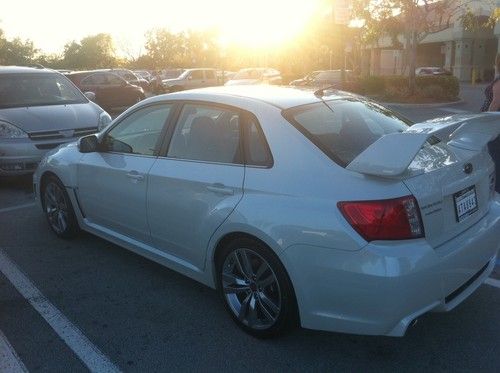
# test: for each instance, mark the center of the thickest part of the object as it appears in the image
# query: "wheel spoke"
(268, 303)
(247, 266)
(61, 220)
(262, 269)
(252, 311)
(239, 265)
(244, 307)
(233, 279)
(49, 193)
(269, 280)
(264, 310)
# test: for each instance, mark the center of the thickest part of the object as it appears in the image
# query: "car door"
(196, 79)
(112, 182)
(92, 83)
(210, 78)
(196, 182)
(118, 90)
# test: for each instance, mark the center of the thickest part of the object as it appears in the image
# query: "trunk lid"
(445, 165)
(450, 199)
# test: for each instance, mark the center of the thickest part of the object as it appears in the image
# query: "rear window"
(17, 90)
(343, 129)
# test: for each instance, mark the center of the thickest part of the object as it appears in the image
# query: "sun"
(265, 24)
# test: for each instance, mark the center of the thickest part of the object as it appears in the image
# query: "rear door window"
(207, 133)
(343, 129)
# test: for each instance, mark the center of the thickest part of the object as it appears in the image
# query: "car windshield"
(249, 74)
(174, 73)
(344, 128)
(18, 90)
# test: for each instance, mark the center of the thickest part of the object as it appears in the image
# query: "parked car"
(191, 78)
(431, 71)
(323, 78)
(171, 73)
(143, 74)
(130, 77)
(223, 76)
(256, 75)
(39, 110)
(111, 91)
(213, 183)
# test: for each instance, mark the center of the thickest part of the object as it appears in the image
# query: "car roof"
(24, 70)
(278, 96)
(196, 68)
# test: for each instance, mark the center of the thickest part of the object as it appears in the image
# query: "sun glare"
(264, 24)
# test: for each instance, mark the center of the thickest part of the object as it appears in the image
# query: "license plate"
(465, 203)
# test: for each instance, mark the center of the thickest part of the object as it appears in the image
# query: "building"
(456, 49)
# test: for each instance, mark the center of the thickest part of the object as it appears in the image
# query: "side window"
(89, 80)
(113, 79)
(207, 133)
(257, 150)
(139, 132)
(209, 74)
(197, 75)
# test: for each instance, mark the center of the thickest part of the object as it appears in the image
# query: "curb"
(440, 104)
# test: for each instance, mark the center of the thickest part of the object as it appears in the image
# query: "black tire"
(58, 208)
(266, 308)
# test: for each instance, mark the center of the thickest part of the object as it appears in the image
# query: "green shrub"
(449, 84)
(373, 85)
(432, 91)
(440, 87)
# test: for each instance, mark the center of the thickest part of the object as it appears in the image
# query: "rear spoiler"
(391, 155)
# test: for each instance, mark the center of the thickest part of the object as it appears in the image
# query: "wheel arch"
(228, 237)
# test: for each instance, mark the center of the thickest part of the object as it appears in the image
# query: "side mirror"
(190, 77)
(88, 144)
(90, 96)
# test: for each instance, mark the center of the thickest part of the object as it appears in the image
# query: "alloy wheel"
(56, 208)
(251, 289)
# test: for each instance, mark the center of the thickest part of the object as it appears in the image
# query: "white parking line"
(493, 282)
(88, 353)
(9, 361)
(7, 209)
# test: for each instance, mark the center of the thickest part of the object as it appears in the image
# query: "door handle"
(220, 189)
(134, 175)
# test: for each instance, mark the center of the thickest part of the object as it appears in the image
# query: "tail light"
(389, 219)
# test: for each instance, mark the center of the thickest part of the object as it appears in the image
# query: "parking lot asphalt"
(96, 300)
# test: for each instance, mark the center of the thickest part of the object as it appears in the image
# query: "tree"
(16, 51)
(92, 52)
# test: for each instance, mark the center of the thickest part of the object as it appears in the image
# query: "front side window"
(23, 90)
(197, 75)
(207, 133)
(139, 132)
(114, 79)
(343, 129)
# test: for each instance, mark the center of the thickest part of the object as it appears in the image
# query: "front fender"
(61, 161)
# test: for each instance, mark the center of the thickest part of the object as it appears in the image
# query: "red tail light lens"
(389, 219)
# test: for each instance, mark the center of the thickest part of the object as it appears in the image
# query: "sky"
(50, 24)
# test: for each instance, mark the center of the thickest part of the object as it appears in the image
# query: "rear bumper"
(382, 288)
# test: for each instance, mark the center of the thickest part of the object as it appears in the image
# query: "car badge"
(67, 133)
(468, 168)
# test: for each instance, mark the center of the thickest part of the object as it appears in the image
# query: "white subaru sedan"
(318, 208)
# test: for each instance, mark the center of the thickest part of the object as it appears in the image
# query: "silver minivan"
(39, 110)
(192, 78)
